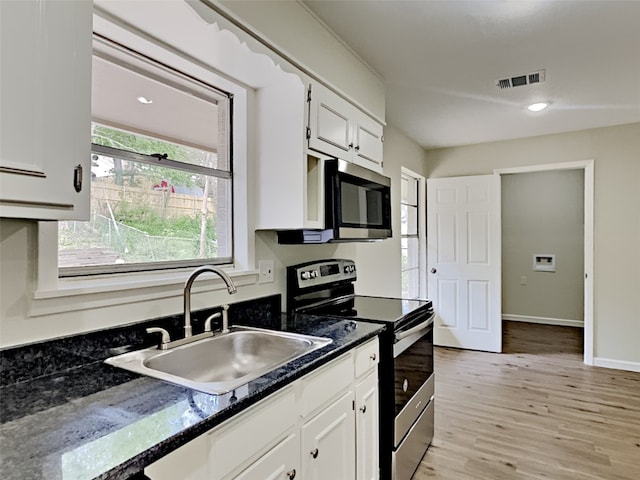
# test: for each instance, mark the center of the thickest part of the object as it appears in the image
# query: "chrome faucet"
(166, 342)
(231, 288)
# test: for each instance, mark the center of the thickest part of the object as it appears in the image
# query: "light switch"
(523, 280)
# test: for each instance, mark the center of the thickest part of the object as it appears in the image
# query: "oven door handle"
(422, 326)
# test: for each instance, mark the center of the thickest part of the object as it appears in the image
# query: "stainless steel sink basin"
(221, 363)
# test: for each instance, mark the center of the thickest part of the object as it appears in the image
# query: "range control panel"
(323, 272)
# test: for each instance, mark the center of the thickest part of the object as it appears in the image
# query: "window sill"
(106, 291)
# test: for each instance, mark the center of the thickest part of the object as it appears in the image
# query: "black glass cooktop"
(375, 309)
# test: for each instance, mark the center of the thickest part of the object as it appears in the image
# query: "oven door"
(413, 374)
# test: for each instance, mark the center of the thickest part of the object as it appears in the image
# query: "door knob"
(433, 270)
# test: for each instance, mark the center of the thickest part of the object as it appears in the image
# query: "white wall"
(543, 213)
(616, 151)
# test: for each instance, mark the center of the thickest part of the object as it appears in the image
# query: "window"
(410, 234)
(161, 176)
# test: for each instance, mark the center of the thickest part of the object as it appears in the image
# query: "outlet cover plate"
(266, 271)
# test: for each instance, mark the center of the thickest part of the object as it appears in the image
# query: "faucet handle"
(207, 322)
(165, 336)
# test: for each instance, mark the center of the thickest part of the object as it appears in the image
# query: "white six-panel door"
(464, 264)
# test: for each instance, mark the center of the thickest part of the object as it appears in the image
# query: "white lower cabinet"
(367, 420)
(322, 426)
(282, 462)
(328, 442)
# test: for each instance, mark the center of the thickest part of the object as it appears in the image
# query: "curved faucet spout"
(231, 288)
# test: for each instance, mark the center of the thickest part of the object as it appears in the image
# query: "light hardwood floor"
(533, 412)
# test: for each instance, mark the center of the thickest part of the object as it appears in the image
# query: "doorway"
(588, 168)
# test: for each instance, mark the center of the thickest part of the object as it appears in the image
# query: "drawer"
(322, 386)
(244, 439)
(367, 357)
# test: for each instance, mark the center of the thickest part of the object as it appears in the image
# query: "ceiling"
(440, 61)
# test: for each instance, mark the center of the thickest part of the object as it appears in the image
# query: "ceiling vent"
(521, 80)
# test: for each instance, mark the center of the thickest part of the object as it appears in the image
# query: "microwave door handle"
(422, 326)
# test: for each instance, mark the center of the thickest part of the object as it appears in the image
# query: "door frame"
(589, 167)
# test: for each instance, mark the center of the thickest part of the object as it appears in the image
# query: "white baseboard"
(617, 364)
(544, 320)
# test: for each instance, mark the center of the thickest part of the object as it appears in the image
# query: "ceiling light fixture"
(144, 100)
(537, 107)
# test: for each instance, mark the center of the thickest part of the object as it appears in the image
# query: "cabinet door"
(368, 143)
(329, 123)
(328, 443)
(45, 88)
(367, 420)
(282, 462)
(238, 443)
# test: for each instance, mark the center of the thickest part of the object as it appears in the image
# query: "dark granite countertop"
(84, 419)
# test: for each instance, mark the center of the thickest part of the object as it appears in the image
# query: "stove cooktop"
(386, 310)
(392, 311)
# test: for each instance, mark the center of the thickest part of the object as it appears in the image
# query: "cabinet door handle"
(433, 270)
(314, 453)
(357, 147)
(77, 178)
(350, 146)
(363, 409)
(291, 474)
(373, 357)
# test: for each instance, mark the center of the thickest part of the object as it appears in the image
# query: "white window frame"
(54, 295)
(422, 230)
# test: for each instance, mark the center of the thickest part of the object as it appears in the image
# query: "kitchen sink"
(223, 362)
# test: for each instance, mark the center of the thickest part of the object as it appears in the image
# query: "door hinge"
(308, 133)
(77, 178)
(309, 93)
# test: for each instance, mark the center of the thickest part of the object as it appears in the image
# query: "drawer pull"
(291, 474)
(314, 453)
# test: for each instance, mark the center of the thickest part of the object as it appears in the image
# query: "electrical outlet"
(266, 271)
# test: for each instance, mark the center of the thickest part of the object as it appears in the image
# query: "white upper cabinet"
(45, 170)
(337, 128)
(289, 181)
(368, 143)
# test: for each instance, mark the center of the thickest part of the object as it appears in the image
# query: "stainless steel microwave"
(357, 207)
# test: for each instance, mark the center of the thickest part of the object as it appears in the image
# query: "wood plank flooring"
(533, 412)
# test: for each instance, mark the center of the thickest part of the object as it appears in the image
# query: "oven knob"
(305, 275)
(314, 274)
(405, 385)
